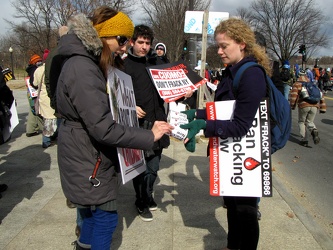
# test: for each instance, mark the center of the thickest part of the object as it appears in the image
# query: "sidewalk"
(35, 216)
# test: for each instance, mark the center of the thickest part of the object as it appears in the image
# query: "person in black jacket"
(34, 122)
(161, 50)
(6, 101)
(150, 108)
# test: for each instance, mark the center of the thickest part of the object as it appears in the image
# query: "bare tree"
(40, 20)
(167, 17)
(286, 24)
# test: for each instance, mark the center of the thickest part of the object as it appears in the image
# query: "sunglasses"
(122, 40)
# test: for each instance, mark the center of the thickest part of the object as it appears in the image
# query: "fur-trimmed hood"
(81, 39)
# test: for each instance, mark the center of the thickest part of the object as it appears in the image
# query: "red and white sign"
(240, 166)
(173, 80)
(123, 108)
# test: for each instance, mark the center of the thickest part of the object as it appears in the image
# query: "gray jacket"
(88, 128)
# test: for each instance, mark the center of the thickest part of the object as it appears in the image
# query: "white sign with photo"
(123, 108)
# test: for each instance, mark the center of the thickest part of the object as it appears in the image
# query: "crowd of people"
(87, 135)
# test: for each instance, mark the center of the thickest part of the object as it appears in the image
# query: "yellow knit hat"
(119, 25)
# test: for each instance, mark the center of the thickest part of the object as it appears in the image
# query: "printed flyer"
(123, 108)
(173, 80)
(240, 166)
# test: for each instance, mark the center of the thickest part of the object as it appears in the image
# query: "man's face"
(141, 46)
(160, 52)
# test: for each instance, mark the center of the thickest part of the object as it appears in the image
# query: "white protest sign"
(240, 166)
(123, 109)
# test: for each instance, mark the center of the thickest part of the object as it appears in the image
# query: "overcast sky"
(7, 12)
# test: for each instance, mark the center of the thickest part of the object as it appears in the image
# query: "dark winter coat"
(146, 95)
(88, 128)
(251, 89)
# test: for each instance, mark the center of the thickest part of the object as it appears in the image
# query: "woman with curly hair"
(236, 46)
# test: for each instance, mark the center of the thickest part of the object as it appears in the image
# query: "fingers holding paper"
(160, 128)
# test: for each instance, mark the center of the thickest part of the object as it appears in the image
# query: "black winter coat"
(88, 128)
(146, 95)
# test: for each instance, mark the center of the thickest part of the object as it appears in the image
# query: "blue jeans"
(286, 91)
(97, 228)
(46, 140)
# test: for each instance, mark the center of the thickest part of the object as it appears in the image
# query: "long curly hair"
(240, 31)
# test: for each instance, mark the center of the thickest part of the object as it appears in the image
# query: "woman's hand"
(160, 128)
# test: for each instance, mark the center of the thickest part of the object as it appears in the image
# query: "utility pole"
(201, 90)
(192, 43)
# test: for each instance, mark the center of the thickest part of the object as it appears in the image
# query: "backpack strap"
(240, 72)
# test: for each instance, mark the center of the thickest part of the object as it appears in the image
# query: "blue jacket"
(252, 88)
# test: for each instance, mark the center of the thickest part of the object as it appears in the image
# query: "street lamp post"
(11, 60)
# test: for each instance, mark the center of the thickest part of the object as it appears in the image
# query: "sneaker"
(152, 205)
(304, 143)
(145, 214)
(315, 136)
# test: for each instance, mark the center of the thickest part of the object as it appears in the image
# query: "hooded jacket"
(88, 129)
(146, 95)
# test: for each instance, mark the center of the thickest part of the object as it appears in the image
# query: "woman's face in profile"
(229, 51)
(114, 46)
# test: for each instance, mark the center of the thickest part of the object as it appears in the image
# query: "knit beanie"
(118, 25)
(35, 59)
(46, 53)
(161, 46)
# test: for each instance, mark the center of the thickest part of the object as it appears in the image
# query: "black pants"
(243, 226)
(144, 182)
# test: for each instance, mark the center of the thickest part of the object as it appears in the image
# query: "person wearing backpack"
(307, 108)
(236, 46)
(287, 79)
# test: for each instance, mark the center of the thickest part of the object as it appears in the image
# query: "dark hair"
(100, 15)
(144, 31)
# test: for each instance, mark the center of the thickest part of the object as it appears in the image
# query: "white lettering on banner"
(171, 74)
(215, 167)
(265, 148)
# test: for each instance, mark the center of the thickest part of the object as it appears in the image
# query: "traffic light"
(302, 49)
(304, 57)
(185, 46)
